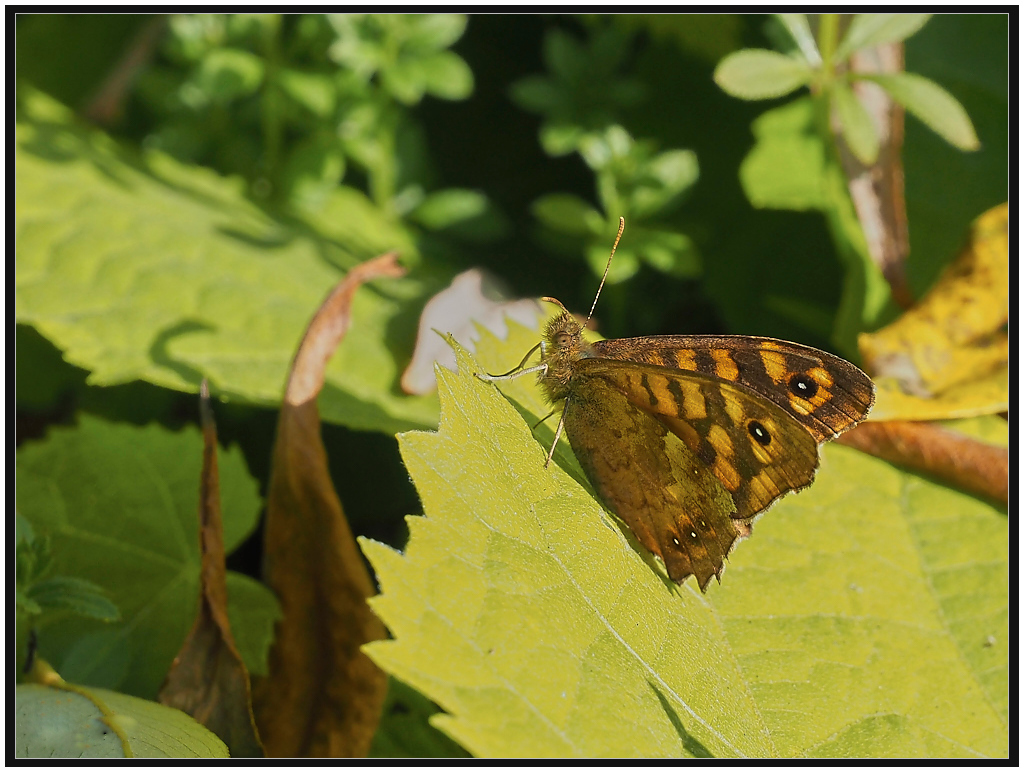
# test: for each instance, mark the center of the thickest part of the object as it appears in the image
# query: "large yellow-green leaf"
(167, 274)
(120, 504)
(867, 616)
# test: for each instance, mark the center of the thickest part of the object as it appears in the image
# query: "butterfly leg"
(518, 370)
(558, 433)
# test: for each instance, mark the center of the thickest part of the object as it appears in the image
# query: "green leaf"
(662, 180)
(226, 74)
(567, 213)
(560, 138)
(524, 611)
(874, 29)
(935, 107)
(78, 596)
(858, 130)
(120, 505)
(434, 31)
(61, 723)
(445, 208)
(25, 603)
(169, 275)
(667, 251)
(446, 75)
(536, 93)
(623, 267)
(785, 169)
(755, 73)
(800, 30)
(314, 91)
(404, 80)
(312, 171)
(405, 731)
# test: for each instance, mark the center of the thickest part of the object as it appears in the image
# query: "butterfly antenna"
(608, 265)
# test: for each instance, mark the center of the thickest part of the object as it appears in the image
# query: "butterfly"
(687, 438)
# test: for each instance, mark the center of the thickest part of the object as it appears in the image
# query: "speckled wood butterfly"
(687, 438)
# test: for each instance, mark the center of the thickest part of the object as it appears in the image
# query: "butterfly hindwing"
(672, 502)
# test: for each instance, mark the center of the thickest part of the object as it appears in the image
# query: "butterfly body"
(687, 438)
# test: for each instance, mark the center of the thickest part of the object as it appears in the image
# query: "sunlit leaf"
(871, 600)
(873, 29)
(935, 107)
(858, 131)
(761, 74)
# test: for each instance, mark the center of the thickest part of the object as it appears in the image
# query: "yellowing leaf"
(874, 600)
(953, 335)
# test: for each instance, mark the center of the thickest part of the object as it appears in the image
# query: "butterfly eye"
(803, 385)
(759, 433)
(562, 339)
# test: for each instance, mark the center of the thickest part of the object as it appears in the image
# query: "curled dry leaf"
(955, 334)
(322, 696)
(877, 188)
(472, 298)
(208, 679)
(961, 461)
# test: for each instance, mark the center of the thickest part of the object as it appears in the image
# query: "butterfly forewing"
(825, 393)
(755, 450)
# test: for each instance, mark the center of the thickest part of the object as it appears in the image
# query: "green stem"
(828, 42)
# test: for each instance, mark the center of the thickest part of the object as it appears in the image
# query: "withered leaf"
(207, 679)
(473, 298)
(323, 696)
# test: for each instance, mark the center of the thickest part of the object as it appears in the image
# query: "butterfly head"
(562, 346)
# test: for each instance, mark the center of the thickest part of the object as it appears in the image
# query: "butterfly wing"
(825, 393)
(651, 479)
(757, 450)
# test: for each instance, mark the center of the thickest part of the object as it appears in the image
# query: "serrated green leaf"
(78, 596)
(858, 130)
(98, 723)
(935, 107)
(874, 29)
(169, 275)
(755, 73)
(120, 504)
(520, 607)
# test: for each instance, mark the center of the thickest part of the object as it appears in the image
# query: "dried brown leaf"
(323, 696)
(472, 298)
(207, 679)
